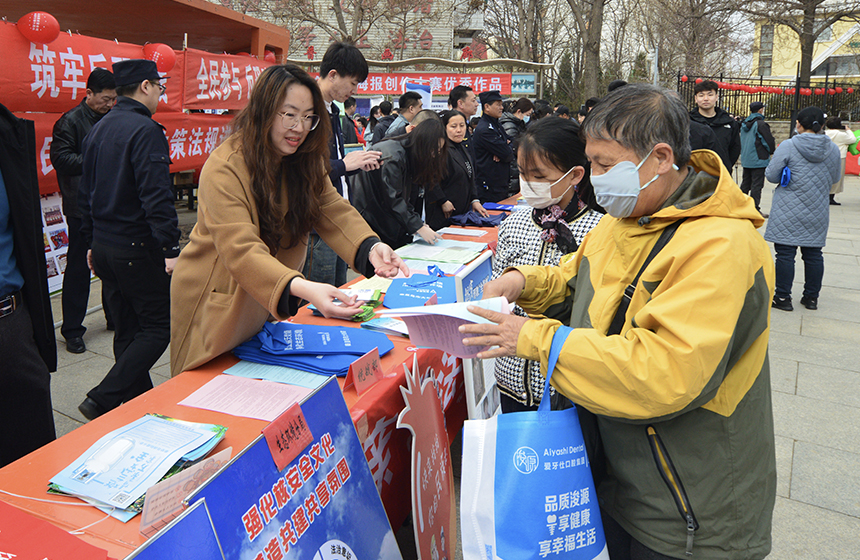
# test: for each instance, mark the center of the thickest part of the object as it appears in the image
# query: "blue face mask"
(526, 119)
(618, 189)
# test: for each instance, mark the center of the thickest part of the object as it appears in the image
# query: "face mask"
(526, 119)
(539, 194)
(618, 189)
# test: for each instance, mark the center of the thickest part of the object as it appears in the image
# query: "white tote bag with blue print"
(526, 486)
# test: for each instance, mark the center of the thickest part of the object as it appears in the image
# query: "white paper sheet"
(251, 398)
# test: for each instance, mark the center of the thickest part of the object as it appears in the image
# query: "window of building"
(826, 34)
(765, 53)
(843, 65)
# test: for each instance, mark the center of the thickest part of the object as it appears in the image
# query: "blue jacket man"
(757, 145)
(493, 152)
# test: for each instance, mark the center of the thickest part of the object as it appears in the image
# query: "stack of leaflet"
(443, 251)
(311, 348)
(116, 471)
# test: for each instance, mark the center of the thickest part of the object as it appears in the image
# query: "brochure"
(436, 326)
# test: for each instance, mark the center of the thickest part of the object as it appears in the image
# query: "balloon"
(851, 90)
(699, 80)
(684, 78)
(831, 91)
(838, 90)
(161, 54)
(39, 27)
(269, 57)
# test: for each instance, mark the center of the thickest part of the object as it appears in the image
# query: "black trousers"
(622, 546)
(137, 289)
(26, 417)
(76, 284)
(752, 184)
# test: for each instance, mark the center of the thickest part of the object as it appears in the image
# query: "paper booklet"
(436, 326)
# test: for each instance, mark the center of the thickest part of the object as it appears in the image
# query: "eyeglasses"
(289, 120)
(162, 87)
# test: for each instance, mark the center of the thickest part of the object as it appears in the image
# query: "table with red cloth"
(374, 414)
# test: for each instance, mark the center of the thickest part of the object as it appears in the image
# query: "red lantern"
(684, 78)
(269, 56)
(851, 90)
(39, 27)
(839, 90)
(831, 91)
(699, 80)
(161, 54)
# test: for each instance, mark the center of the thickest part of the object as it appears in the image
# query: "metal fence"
(783, 98)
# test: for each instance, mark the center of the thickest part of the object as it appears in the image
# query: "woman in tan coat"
(261, 192)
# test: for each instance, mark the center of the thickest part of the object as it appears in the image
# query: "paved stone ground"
(816, 394)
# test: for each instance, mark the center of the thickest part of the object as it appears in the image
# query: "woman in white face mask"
(554, 180)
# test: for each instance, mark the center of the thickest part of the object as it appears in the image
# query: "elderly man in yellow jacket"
(681, 394)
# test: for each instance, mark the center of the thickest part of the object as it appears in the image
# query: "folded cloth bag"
(269, 347)
(526, 486)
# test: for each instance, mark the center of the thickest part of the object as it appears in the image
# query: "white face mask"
(618, 189)
(538, 194)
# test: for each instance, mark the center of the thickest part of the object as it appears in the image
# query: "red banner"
(52, 78)
(440, 84)
(192, 138)
(218, 81)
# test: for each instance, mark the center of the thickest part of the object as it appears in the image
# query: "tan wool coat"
(227, 284)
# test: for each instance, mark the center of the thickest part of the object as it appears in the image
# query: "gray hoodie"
(800, 213)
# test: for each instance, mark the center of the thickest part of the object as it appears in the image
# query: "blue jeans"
(322, 263)
(813, 270)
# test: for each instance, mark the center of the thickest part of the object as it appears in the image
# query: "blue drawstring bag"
(785, 178)
(526, 485)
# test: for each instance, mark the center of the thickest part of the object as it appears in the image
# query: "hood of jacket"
(707, 191)
(748, 122)
(510, 117)
(813, 147)
(721, 117)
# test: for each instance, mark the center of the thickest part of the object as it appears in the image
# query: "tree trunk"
(807, 42)
(591, 51)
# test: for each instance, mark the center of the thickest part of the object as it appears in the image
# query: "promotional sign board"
(323, 505)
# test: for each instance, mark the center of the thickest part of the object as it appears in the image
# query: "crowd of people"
(635, 236)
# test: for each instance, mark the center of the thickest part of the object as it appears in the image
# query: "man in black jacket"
(130, 223)
(725, 127)
(493, 152)
(28, 350)
(67, 159)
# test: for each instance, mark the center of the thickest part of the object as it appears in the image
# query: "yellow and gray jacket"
(682, 395)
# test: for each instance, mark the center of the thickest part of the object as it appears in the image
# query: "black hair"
(706, 85)
(450, 114)
(346, 60)
(558, 142)
(427, 160)
(834, 123)
(615, 84)
(562, 110)
(473, 122)
(128, 89)
(811, 118)
(100, 80)
(350, 102)
(508, 106)
(373, 119)
(591, 102)
(522, 104)
(542, 111)
(458, 93)
(385, 108)
(409, 100)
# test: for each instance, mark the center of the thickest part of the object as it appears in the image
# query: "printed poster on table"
(323, 506)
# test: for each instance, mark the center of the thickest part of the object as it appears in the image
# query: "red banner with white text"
(191, 137)
(440, 84)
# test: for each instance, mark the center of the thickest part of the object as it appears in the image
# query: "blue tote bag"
(526, 486)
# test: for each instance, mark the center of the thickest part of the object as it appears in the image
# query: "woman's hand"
(322, 296)
(479, 208)
(428, 235)
(386, 262)
(509, 285)
(448, 208)
(502, 333)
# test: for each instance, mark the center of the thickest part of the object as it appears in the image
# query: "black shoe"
(76, 345)
(783, 303)
(809, 302)
(833, 201)
(90, 409)
(763, 214)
